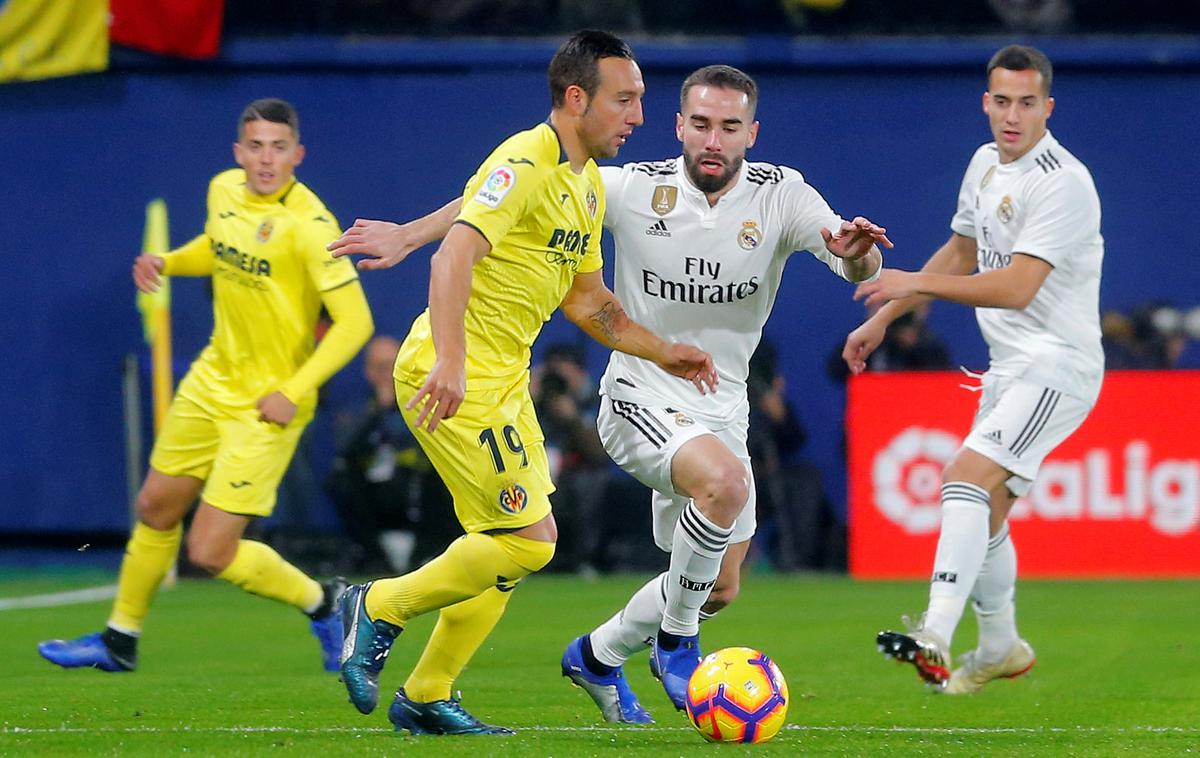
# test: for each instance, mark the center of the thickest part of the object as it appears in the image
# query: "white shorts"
(1019, 423)
(643, 440)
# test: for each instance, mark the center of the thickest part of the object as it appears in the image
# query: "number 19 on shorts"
(512, 441)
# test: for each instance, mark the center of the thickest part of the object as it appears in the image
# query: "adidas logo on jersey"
(993, 436)
(658, 229)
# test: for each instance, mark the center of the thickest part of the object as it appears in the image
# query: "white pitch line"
(50, 600)
(964, 730)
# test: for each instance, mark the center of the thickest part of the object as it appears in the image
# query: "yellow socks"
(149, 555)
(461, 629)
(472, 564)
(261, 571)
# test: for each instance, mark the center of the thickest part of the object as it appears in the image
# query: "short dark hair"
(271, 109)
(576, 62)
(1022, 58)
(726, 77)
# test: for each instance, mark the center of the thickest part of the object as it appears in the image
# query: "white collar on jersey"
(1030, 159)
(690, 189)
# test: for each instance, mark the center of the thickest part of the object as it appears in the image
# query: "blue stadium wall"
(881, 129)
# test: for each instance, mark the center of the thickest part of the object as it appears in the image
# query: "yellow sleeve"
(352, 327)
(192, 259)
(496, 196)
(326, 272)
(593, 258)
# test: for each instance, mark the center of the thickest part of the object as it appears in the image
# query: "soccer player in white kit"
(701, 241)
(1028, 224)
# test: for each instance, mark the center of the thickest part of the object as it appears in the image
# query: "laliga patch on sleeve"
(496, 186)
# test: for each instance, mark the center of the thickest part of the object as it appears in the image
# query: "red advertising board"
(1121, 497)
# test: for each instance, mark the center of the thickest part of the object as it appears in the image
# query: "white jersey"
(1044, 204)
(706, 276)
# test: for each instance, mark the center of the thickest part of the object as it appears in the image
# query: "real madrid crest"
(1005, 211)
(591, 202)
(749, 237)
(264, 231)
(663, 200)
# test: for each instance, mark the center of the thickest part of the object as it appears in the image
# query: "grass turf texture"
(223, 673)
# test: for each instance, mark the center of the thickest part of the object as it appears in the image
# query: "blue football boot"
(438, 717)
(611, 692)
(365, 647)
(88, 650)
(674, 667)
(328, 628)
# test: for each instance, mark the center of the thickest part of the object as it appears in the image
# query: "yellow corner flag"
(156, 312)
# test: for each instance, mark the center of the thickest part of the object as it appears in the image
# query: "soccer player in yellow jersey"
(237, 415)
(527, 241)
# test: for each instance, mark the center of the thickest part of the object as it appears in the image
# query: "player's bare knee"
(726, 490)
(954, 472)
(207, 556)
(154, 511)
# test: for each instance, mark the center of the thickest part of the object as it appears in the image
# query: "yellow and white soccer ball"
(737, 695)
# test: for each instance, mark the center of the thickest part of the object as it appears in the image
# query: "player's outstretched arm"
(192, 259)
(1010, 287)
(594, 308)
(450, 272)
(855, 243)
(956, 256)
(385, 243)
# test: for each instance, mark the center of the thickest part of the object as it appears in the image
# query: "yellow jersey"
(269, 266)
(544, 223)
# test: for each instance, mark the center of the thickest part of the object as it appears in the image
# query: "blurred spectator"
(1036, 16)
(1189, 356)
(794, 518)
(1169, 334)
(674, 17)
(391, 503)
(1120, 343)
(909, 345)
(1153, 336)
(621, 15)
(565, 399)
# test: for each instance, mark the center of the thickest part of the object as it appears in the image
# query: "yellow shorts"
(240, 458)
(492, 456)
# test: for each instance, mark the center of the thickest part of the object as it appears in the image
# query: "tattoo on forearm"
(609, 319)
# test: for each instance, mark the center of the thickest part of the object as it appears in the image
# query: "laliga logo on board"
(1099, 487)
(1165, 494)
(907, 475)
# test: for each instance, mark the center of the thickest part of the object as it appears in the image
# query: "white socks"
(993, 596)
(962, 545)
(696, 551)
(634, 626)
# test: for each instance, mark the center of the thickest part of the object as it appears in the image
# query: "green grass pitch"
(223, 673)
